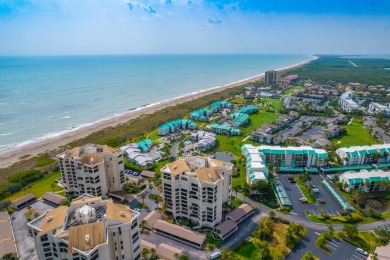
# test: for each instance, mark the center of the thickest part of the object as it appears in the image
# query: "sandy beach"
(11, 156)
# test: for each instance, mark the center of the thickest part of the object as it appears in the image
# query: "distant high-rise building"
(271, 78)
(92, 169)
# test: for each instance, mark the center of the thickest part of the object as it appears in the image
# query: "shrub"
(19, 176)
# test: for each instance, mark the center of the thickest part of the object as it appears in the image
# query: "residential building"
(358, 155)
(92, 169)
(135, 155)
(255, 167)
(302, 156)
(283, 121)
(195, 188)
(23, 201)
(202, 115)
(248, 110)
(175, 126)
(239, 119)
(346, 102)
(364, 180)
(265, 134)
(377, 108)
(271, 78)
(219, 105)
(206, 140)
(53, 199)
(224, 129)
(233, 218)
(333, 131)
(287, 80)
(7, 238)
(90, 228)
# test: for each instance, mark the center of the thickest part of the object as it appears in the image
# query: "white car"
(215, 255)
(361, 251)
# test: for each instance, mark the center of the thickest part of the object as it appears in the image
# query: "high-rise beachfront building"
(89, 229)
(359, 155)
(271, 78)
(93, 169)
(195, 189)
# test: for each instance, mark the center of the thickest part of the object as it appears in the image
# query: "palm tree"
(53, 186)
(330, 229)
(150, 188)
(176, 256)
(152, 252)
(29, 208)
(145, 253)
(235, 189)
(358, 195)
(143, 222)
(143, 196)
(271, 215)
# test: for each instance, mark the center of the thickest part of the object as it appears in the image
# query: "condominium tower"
(271, 78)
(195, 189)
(90, 229)
(92, 169)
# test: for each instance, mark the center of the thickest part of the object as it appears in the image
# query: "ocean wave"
(6, 134)
(71, 129)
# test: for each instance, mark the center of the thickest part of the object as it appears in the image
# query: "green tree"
(308, 256)
(143, 196)
(145, 253)
(359, 196)
(183, 257)
(150, 188)
(330, 229)
(265, 253)
(296, 229)
(350, 230)
(226, 254)
(321, 242)
(264, 230)
(9, 256)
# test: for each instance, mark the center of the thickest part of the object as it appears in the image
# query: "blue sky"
(61, 27)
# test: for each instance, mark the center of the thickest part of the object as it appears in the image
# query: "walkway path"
(306, 222)
(174, 150)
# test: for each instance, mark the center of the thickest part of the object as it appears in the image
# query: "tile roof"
(54, 198)
(226, 227)
(167, 252)
(180, 231)
(53, 220)
(208, 174)
(87, 236)
(177, 167)
(239, 212)
(23, 199)
(152, 217)
(118, 212)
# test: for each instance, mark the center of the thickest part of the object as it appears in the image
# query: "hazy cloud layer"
(46, 27)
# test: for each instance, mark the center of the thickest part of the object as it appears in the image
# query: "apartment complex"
(92, 169)
(220, 105)
(175, 126)
(347, 103)
(357, 155)
(256, 170)
(195, 188)
(378, 108)
(302, 156)
(202, 115)
(271, 78)
(367, 181)
(90, 228)
(224, 129)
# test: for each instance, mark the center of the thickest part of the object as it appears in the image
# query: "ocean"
(41, 97)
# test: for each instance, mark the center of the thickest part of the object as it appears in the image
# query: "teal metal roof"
(288, 169)
(312, 170)
(372, 151)
(375, 179)
(362, 152)
(358, 180)
(383, 165)
(348, 168)
(334, 193)
(386, 179)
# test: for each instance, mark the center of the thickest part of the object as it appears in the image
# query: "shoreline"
(45, 144)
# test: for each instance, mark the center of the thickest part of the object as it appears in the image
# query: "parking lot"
(331, 207)
(340, 249)
(24, 241)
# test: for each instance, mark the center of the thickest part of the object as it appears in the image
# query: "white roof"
(365, 174)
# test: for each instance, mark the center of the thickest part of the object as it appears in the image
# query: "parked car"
(215, 255)
(361, 251)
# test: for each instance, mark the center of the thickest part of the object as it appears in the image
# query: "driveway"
(24, 241)
(174, 150)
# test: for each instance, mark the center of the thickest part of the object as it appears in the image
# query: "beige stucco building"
(90, 229)
(195, 189)
(92, 169)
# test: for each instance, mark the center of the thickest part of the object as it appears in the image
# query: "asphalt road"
(174, 150)
(25, 242)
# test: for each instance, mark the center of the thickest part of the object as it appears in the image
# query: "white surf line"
(353, 64)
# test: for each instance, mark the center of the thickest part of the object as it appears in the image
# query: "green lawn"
(356, 135)
(290, 90)
(309, 196)
(276, 103)
(236, 202)
(40, 187)
(238, 101)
